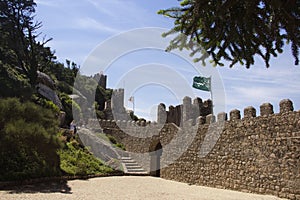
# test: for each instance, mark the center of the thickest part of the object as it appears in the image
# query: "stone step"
(126, 158)
(136, 170)
(137, 174)
(131, 167)
(128, 161)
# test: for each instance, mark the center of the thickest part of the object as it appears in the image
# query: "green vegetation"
(22, 56)
(236, 31)
(30, 146)
(113, 140)
(77, 160)
(30, 143)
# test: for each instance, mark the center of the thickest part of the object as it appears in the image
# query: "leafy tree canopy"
(235, 30)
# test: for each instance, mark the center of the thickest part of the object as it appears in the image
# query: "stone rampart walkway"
(125, 188)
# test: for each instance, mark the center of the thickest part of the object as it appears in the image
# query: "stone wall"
(253, 154)
(259, 154)
(101, 79)
(184, 112)
(114, 108)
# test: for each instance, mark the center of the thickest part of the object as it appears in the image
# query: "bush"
(46, 104)
(70, 107)
(28, 141)
(112, 139)
(76, 160)
(121, 146)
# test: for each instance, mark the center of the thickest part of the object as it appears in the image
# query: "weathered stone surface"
(266, 109)
(235, 115)
(222, 117)
(161, 114)
(256, 154)
(286, 105)
(249, 112)
(49, 93)
(210, 119)
(186, 111)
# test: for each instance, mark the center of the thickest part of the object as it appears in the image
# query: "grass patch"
(77, 160)
(113, 140)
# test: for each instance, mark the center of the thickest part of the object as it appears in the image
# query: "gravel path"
(124, 188)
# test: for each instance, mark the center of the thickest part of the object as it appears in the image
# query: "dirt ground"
(132, 188)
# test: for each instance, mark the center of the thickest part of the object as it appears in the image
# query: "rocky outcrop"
(46, 87)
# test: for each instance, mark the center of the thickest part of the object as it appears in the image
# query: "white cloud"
(89, 24)
(252, 87)
(127, 13)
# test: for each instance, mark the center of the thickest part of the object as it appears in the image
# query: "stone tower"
(184, 112)
(161, 114)
(117, 105)
(187, 112)
(103, 81)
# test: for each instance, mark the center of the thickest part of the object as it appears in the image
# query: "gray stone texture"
(254, 154)
(184, 112)
(266, 109)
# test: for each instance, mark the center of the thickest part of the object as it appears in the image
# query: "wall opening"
(155, 160)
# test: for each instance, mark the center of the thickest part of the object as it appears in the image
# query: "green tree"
(16, 17)
(19, 48)
(235, 30)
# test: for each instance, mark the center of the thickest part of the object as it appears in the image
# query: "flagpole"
(133, 105)
(211, 96)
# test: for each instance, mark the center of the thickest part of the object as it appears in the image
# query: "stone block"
(235, 115)
(201, 120)
(222, 117)
(249, 112)
(266, 109)
(210, 119)
(286, 105)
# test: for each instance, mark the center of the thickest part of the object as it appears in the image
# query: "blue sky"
(79, 26)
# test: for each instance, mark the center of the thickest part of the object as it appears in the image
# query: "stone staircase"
(131, 167)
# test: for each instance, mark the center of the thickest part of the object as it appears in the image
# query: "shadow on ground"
(60, 186)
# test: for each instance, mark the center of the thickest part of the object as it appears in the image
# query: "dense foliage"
(31, 145)
(236, 30)
(77, 160)
(28, 140)
(22, 56)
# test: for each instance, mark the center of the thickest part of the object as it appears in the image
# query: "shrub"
(112, 139)
(28, 141)
(76, 160)
(121, 146)
(70, 107)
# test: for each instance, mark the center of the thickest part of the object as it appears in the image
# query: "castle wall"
(259, 154)
(184, 112)
(103, 81)
(114, 108)
(253, 154)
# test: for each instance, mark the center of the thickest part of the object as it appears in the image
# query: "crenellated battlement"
(253, 152)
(266, 110)
(181, 113)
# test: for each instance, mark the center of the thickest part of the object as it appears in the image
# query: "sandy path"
(124, 188)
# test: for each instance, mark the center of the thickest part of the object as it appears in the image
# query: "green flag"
(202, 83)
